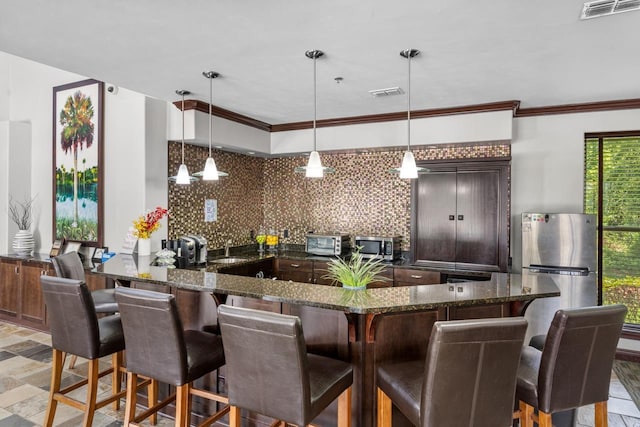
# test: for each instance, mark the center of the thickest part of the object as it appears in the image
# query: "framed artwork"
(72, 247)
(97, 255)
(78, 184)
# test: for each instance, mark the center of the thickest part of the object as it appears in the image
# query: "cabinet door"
(9, 285)
(32, 300)
(321, 269)
(477, 217)
(435, 210)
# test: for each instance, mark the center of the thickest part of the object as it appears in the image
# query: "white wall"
(474, 127)
(128, 134)
(548, 163)
(226, 133)
(4, 87)
(15, 179)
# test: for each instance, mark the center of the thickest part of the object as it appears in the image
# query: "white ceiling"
(473, 52)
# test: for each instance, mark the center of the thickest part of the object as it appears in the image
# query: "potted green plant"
(354, 272)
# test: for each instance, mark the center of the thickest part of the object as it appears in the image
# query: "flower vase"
(23, 242)
(144, 247)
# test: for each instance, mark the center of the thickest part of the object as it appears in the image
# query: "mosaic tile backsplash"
(362, 197)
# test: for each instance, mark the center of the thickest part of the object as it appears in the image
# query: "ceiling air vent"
(388, 91)
(596, 9)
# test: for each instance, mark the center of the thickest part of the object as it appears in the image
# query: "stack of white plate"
(23, 242)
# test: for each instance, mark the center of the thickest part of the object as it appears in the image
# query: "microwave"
(328, 244)
(385, 248)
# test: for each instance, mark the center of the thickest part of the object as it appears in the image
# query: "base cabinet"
(21, 299)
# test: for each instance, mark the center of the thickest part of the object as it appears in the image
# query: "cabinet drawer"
(295, 265)
(408, 277)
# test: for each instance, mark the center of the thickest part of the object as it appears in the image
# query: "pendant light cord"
(409, 103)
(210, 112)
(183, 128)
(315, 102)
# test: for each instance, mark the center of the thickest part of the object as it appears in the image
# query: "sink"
(230, 260)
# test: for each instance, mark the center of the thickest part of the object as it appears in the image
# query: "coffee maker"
(200, 248)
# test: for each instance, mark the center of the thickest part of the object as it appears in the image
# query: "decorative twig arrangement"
(20, 212)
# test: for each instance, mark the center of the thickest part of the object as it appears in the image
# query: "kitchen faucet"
(226, 247)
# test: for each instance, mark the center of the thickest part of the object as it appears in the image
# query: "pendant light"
(409, 170)
(183, 173)
(314, 168)
(210, 172)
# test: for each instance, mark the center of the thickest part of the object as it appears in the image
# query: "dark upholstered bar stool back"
(574, 368)
(468, 378)
(70, 266)
(158, 348)
(76, 329)
(270, 372)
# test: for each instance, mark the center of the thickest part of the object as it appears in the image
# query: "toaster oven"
(328, 244)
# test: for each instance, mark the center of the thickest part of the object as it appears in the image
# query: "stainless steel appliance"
(200, 248)
(186, 251)
(385, 248)
(328, 244)
(563, 246)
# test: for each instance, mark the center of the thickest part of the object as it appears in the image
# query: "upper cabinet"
(460, 215)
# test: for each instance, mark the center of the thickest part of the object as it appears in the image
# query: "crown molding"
(194, 104)
(513, 105)
(586, 107)
(388, 117)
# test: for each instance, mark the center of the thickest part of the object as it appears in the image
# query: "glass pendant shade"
(183, 175)
(408, 170)
(210, 172)
(314, 166)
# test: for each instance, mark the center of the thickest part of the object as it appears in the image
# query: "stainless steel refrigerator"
(564, 246)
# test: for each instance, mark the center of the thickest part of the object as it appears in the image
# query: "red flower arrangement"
(147, 224)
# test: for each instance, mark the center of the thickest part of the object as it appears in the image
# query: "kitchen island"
(363, 327)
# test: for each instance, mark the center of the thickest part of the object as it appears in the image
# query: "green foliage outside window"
(620, 217)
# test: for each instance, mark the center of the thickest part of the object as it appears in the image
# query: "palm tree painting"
(77, 132)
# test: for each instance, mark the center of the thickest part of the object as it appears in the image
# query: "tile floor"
(25, 358)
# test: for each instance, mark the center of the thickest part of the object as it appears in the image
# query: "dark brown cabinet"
(460, 216)
(21, 299)
(413, 277)
(295, 270)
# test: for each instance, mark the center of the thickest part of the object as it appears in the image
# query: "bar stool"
(76, 329)
(270, 372)
(468, 378)
(574, 368)
(158, 348)
(70, 266)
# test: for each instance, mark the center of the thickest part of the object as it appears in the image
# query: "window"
(612, 191)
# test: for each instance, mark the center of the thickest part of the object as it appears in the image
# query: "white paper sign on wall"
(210, 210)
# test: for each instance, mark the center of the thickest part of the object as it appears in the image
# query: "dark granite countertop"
(501, 288)
(37, 257)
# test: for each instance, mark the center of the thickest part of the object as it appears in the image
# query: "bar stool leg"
(182, 404)
(601, 414)
(384, 409)
(130, 405)
(92, 392)
(116, 377)
(544, 419)
(152, 399)
(344, 408)
(56, 375)
(526, 415)
(234, 416)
